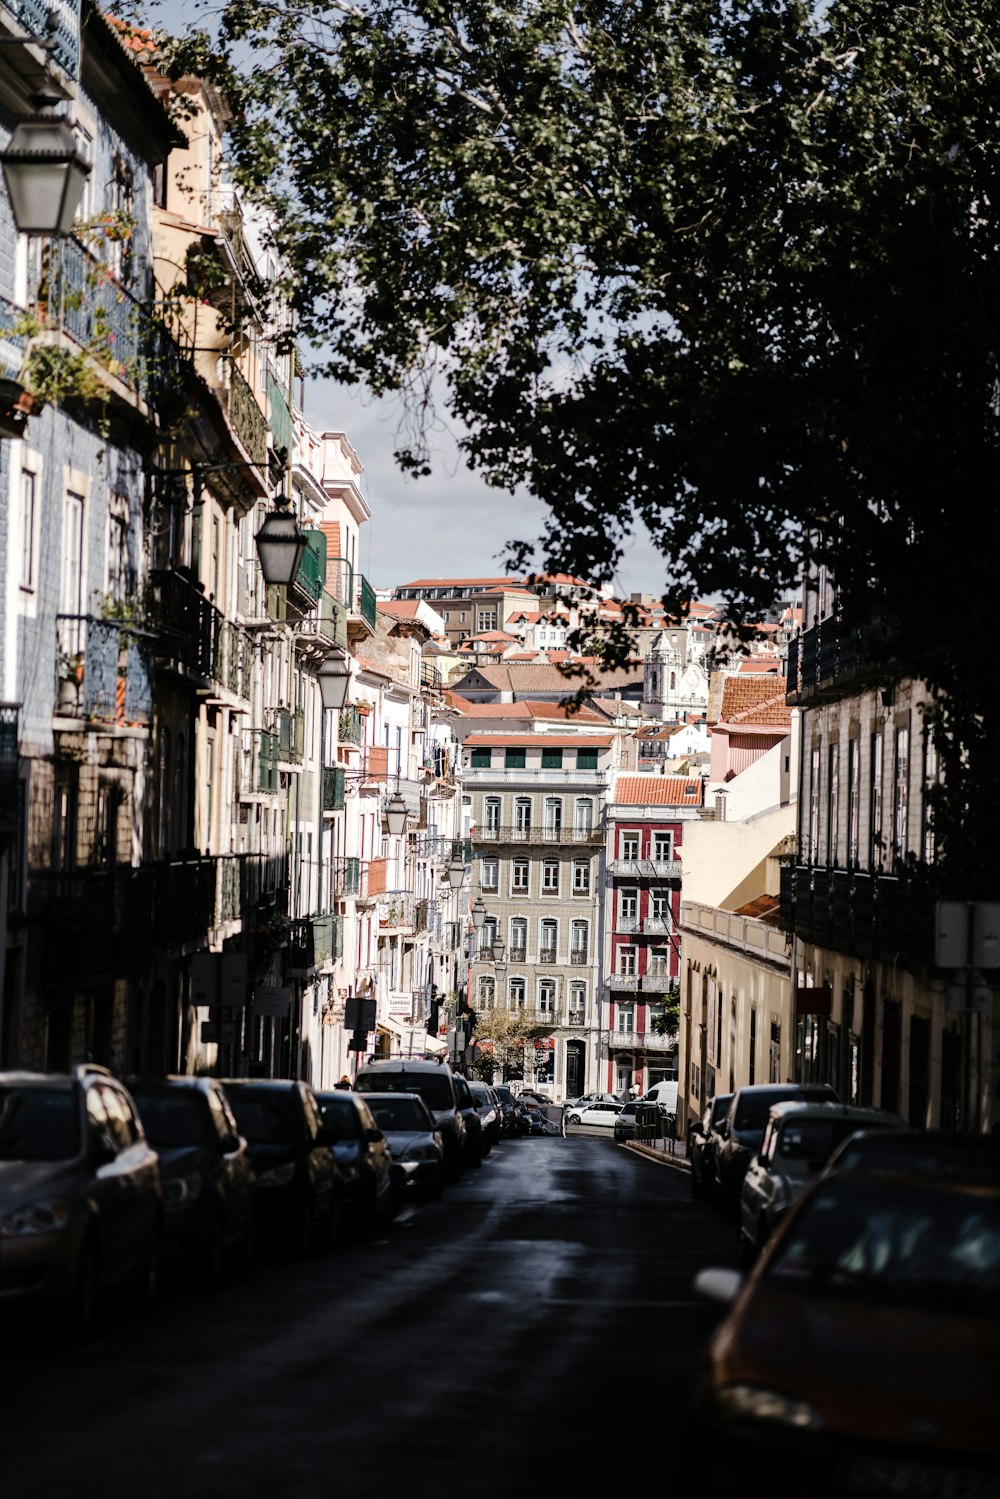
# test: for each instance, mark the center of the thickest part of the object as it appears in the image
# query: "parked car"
(588, 1098)
(520, 1120)
(475, 1145)
(507, 1111)
(625, 1121)
(414, 1139)
(737, 1138)
(435, 1082)
(208, 1180)
(664, 1095)
(701, 1138)
(81, 1203)
(364, 1159)
(860, 1356)
(296, 1199)
(533, 1099)
(601, 1115)
(488, 1106)
(798, 1141)
(541, 1124)
(962, 1157)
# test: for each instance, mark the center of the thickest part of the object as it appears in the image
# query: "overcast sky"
(448, 525)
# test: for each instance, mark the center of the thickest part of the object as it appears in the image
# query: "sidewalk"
(667, 1152)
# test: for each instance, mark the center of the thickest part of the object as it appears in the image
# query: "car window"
(464, 1093)
(173, 1119)
(341, 1117)
(39, 1124)
(435, 1088)
(401, 1113)
(753, 1108)
(814, 1139)
(265, 1115)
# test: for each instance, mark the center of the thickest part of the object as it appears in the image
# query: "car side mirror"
(230, 1143)
(373, 1136)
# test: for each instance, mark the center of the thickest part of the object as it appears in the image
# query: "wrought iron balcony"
(334, 782)
(517, 954)
(855, 910)
(556, 836)
(245, 416)
(351, 727)
(627, 981)
(258, 773)
(346, 876)
(105, 671)
(289, 727)
(326, 624)
(279, 420)
(193, 634)
(640, 1041)
(841, 653)
(547, 955)
(579, 955)
(313, 942)
(647, 869)
(306, 587)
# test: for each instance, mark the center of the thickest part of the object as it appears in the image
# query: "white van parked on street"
(664, 1094)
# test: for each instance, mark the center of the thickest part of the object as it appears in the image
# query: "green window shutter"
(552, 759)
(482, 759)
(514, 759)
(586, 759)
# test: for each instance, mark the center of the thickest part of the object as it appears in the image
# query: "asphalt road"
(534, 1331)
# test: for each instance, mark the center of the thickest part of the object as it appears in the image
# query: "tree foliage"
(730, 268)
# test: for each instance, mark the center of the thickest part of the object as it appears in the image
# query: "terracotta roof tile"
(659, 791)
(749, 701)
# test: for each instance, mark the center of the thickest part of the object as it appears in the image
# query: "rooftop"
(659, 791)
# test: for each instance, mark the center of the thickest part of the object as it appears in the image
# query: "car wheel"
(573, 1119)
(83, 1308)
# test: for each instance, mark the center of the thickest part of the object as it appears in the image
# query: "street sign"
(359, 1015)
(269, 999)
(210, 1032)
(358, 1042)
(204, 979)
(232, 980)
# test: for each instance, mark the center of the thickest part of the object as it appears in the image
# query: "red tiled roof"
(401, 608)
(659, 791)
(549, 678)
(763, 908)
(759, 664)
(540, 741)
(749, 701)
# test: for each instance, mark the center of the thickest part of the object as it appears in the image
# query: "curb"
(659, 1156)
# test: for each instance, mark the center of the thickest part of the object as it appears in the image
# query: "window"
(548, 938)
(584, 819)
(581, 877)
(901, 793)
(628, 846)
(659, 962)
(491, 811)
(586, 759)
(29, 499)
(930, 781)
(514, 759)
(486, 620)
(833, 804)
(487, 936)
(552, 759)
(626, 960)
(813, 850)
(64, 819)
(550, 877)
(553, 817)
(71, 582)
(489, 874)
(522, 814)
(628, 904)
(118, 581)
(547, 996)
(660, 905)
(853, 802)
(519, 877)
(516, 992)
(663, 847)
(462, 617)
(486, 993)
(482, 759)
(580, 941)
(875, 816)
(624, 1019)
(518, 939)
(578, 1003)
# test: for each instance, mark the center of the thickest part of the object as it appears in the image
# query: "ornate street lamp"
(280, 543)
(497, 949)
(395, 815)
(45, 172)
(334, 677)
(456, 874)
(478, 912)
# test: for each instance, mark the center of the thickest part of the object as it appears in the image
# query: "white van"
(663, 1093)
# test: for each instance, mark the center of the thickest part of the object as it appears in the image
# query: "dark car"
(435, 1082)
(860, 1357)
(738, 1137)
(508, 1110)
(957, 1157)
(414, 1139)
(701, 1145)
(625, 1121)
(81, 1204)
(208, 1181)
(363, 1158)
(490, 1116)
(476, 1148)
(539, 1123)
(297, 1193)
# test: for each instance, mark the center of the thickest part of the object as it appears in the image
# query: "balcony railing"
(289, 726)
(13, 346)
(35, 17)
(312, 943)
(576, 1017)
(640, 1041)
(839, 650)
(246, 417)
(629, 981)
(351, 727)
(308, 581)
(326, 624)
(657, 980)
(859, 911)
(547, 955)
(657, 926)
(279, 420)
(517, 954)
(104, 671)
(259, 764)
(194, 634)
(364, 602)
(647, 869)
(579, 955)
(507, 834)
(346, 876)
(334, 783)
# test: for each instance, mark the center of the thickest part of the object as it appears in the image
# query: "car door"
(135, 1173)
(319, 1164)
(235, 1177)
(757, 1188)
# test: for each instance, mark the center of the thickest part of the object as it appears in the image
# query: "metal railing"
(628, 981)
(193, 633)
(346, 876)
(640, 1041)
(351, 727)
(245, 416)
(311, 573)
(327, 622)
(507, 834)
(104, 671)
(647, 869)
(334, 787)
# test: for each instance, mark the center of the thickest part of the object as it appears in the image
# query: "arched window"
(487, 993)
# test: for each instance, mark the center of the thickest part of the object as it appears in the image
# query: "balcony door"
(553, 817)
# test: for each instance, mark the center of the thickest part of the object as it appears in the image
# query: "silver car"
(799, 1139)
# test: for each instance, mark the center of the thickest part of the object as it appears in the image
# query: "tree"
(509, 1032)
(728, 268)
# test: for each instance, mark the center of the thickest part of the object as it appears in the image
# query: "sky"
(449, 524)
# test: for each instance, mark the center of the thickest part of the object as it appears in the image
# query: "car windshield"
(38, 1124)
(904, 1240)
(433, 1087)
(340, 1116)
(753, 1108)
(721, 1107)
(400, 1113)
(171, 1120)
(813, 1140)
(264, 1116)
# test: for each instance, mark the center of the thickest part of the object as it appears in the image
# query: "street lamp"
(456, 876)
(45, 172)
(280, 543)
(478, 912)
(497, 949)
(334, 677)
(395, 815)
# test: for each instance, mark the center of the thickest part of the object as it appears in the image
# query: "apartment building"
(535, 804)
(469, 606)
(646, 822)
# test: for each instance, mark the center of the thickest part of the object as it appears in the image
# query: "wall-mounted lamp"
(45, 172)
(395, 815)
(280, 543)
(456, 874)
(478, 912)
(334, 677)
